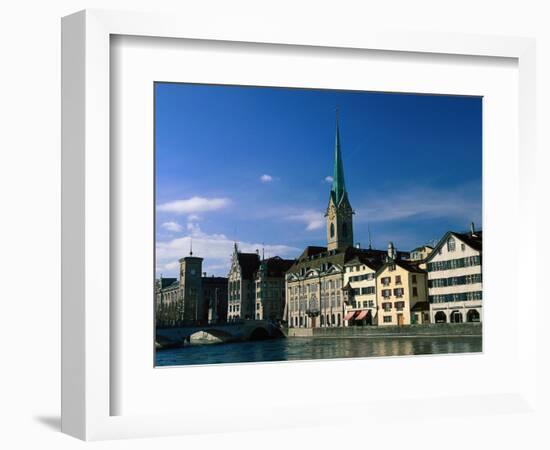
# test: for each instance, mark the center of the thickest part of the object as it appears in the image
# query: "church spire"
(339, 213)
(338, 184)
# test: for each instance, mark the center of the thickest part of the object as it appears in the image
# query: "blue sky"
(250, 164)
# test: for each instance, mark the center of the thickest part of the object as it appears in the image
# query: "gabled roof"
(371, 263)
(421, 248)
(409, 266)
(276, 266)
(249, 263)
(474, 241)
(319, 257)
(165, 282)
(311, 251)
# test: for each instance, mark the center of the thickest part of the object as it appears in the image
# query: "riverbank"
(318, 348)
(433, 330)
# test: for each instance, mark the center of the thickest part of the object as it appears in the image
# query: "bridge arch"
(259, 334)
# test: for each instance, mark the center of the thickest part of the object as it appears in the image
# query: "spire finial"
(190, 246)
(370, 241)
(338, 185)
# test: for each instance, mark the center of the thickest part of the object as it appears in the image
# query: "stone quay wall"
(439, 329)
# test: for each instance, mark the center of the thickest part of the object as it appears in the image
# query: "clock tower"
(339, 213)
(191, 287)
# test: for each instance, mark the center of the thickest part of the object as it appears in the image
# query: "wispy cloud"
(172, 226)
(216, 249)
(313, 219)
(462, 203)
(194, 205)
(329, 179)
(265, 178)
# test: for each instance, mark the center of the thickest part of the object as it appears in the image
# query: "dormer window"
(451, 244)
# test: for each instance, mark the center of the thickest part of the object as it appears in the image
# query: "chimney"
(472, 229)
(391, 251)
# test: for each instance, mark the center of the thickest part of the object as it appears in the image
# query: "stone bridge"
(246, 330)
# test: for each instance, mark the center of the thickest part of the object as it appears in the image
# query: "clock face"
(192, 271)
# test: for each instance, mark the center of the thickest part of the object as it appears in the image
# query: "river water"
(292, 349)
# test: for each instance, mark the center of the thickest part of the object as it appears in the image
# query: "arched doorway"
(440, 317)
(456, 317)
(473, 316)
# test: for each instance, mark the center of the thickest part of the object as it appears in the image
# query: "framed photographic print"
(270, 222)
(259, 254)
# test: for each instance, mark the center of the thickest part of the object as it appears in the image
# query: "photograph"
(310, 224)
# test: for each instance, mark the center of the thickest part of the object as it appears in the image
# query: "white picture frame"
(87, 384)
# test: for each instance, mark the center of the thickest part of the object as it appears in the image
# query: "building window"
(398, 279)
(455, 263)
(398, 292)
(385, 281)
(332, 230)
(414, 278)
(462, 247)
(386, 306)
(451, 244)
(345, 230)
(386, 293)
(399, 306)
(415, 291)
(387, 319)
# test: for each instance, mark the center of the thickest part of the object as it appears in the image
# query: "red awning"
(361, 315)
(349, 315)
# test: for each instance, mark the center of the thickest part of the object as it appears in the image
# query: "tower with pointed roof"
(339, 213)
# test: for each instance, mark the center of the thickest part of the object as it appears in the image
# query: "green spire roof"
(338, 184)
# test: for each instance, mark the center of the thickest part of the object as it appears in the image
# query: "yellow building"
(421, 253)
(401, 292)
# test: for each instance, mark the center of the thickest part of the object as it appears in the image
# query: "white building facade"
(455, 278)
(360, 286)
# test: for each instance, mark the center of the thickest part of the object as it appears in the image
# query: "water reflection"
(316, 348)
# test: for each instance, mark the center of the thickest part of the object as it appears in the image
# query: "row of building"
(254, 289)
(338, 285)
